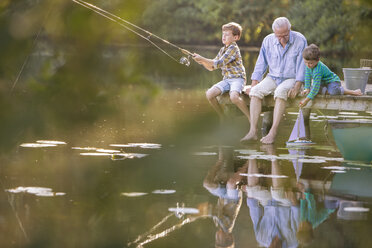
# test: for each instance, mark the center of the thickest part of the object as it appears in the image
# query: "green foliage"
(200, 21)
(334, 25)
(70, 72)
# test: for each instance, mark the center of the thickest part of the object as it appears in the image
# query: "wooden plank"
(345, 103)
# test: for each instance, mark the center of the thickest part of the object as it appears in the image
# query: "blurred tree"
(71, 71)
(336, 26)
(199, 22)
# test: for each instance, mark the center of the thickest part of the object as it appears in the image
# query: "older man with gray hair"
(281, 51)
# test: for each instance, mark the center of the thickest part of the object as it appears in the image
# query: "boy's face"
(228, 37)
(311, 63)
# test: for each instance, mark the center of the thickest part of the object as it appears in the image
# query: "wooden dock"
(345, 103)
(341, 103)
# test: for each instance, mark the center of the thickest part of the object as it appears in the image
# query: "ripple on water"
(140, 145)
(38, 191)
(55, 142)
(356, 209)
(37, 145)
(85, 148)
(205, 153)
(164, 191)
(133, 194)
(263, 175)
(184, 210)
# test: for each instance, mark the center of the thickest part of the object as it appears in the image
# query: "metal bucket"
(356, 78)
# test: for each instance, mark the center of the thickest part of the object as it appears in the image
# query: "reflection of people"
(230, 62)
(282, 53)
(310, 216)
(275, 211)
(221, 181)
(319, 77)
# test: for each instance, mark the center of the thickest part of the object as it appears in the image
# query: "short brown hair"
(235, 28)
(311, 52)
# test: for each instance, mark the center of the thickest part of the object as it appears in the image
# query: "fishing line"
(325, 128)
(125, 23)
(28, 56)
(15, 213)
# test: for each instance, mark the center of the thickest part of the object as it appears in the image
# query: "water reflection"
(284, 207)
(273, 206)
(222, 182)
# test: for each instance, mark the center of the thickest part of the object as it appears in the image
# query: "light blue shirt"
(283, 62)
(274, 220)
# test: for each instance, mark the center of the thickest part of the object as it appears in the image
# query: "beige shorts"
(259, 193)
(268, 86)
(278, 194)
(263, 195)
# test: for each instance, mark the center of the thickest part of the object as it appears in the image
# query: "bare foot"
(268, 149)
(250, 136)
(357, 92)
(268, 139)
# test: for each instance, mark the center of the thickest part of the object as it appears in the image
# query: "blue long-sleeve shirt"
(283, 63)
(319, 75)
(309, 211)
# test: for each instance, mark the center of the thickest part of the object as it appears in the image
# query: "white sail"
(298, 130)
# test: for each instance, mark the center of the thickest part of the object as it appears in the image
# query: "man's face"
(282, 34)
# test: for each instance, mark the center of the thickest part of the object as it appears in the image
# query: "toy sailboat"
(298, 135)
(297, 164)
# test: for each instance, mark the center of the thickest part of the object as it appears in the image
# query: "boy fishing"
(229, 60)
(320, 78)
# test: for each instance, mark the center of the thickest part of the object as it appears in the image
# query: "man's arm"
(260, 67)
(292, 93)
(248, 89)
(300, 73)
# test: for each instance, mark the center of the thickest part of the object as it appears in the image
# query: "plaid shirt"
(230, 62)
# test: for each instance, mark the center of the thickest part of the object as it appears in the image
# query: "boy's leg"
(335, 88)
(236, 88)
(264, 88)
(356, 92)
(211, 95)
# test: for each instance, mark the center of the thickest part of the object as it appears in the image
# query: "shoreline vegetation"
(205, 47)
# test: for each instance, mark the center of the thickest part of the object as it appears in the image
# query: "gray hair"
(281, 22)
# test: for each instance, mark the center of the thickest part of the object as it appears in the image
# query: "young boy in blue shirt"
(229, 60)
(318, 76)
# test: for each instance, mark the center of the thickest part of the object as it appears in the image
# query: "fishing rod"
(126, 24)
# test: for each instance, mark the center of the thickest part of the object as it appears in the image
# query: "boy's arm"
(207, 63)
(307, 79)
(304, 102)
(315, 85)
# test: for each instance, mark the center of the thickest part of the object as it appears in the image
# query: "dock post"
(306, 113)
(267, 122)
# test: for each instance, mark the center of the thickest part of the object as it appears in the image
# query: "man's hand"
(305, 92)
(248, 89)
(292, 93)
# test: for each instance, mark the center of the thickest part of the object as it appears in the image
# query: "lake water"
(153, 168)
